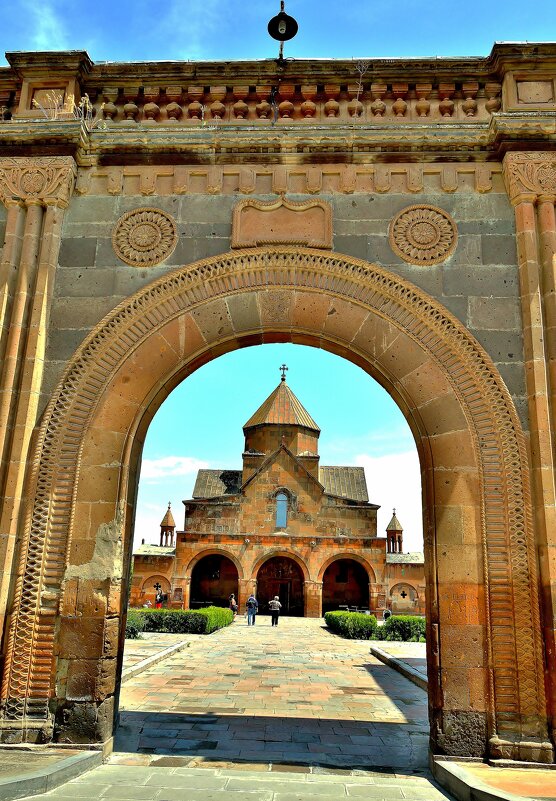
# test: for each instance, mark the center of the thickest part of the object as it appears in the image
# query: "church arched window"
(281, 510)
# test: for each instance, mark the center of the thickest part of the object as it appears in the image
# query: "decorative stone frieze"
(254, 179)
(144, 237)
(423, 235)
(48, 181)
(530, 173)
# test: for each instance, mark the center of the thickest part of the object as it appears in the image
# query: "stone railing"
(384, 102)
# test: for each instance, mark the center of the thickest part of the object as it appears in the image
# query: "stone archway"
(214, 577)
(345, 582)
(485, 653)
(148, 590)
(403, 598)
(281, 576)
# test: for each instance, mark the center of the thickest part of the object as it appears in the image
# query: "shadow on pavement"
(385, 747)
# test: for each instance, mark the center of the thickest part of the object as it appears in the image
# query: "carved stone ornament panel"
(38, 180)
(527, 173)
(144, 237)
(423, 235)
(282, 222)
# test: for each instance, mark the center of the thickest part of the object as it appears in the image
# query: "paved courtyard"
(292, 694)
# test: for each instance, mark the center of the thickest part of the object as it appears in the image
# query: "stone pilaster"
(244, 589)
(313, 598)
(531, 184)
(36, 192)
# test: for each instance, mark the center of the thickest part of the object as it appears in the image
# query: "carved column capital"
(529, 176)
(46, 181)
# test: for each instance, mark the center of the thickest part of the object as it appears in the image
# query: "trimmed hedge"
(402, 628)
(134, 625)
(180, 621)
(353, 625)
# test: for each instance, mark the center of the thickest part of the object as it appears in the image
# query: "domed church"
(281, 525)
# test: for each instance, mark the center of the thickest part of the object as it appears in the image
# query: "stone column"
(36, 192)
(8, 265)
(312, 591)
(186, 584)
(547, 242)
(531, 183)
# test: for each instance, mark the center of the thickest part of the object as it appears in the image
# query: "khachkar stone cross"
(283, 370)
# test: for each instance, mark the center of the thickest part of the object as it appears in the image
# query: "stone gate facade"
(401, 217)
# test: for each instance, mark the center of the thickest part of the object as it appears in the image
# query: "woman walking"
(275, 607)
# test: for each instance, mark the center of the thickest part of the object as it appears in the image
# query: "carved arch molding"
(517, 712)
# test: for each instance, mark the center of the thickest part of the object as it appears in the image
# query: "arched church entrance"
(283, 577)
(345, 583)
(213, 579)
(486, 664)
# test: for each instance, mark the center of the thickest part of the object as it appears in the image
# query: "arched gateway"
(484, 643)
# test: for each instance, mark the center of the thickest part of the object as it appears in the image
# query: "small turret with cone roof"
(167, 528)
(394, 535)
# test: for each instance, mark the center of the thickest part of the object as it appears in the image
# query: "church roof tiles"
(214, 483)
(282, 407)
(347, 482)
(344, 482)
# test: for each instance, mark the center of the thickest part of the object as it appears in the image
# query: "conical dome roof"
(394, 524)
(282, 407)
(168, 519)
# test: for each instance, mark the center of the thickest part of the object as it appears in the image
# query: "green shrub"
(353, 625)
(403, 628)
(134, 625)
(185, 621)
(216, 618)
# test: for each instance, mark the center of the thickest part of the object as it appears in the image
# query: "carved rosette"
(530, 173)
(144, 237)
(423, 235)
(47, 181)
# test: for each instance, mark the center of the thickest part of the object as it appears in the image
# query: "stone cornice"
(48, 181)
(530, 176)
(503, 55)
(358, 142)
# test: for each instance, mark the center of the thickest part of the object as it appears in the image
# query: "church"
(281, 525)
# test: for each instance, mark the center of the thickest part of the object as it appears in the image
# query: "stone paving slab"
(117, 783)
(295, 694)
(36, 769)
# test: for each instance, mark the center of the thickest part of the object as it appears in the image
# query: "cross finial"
(284, 370)
(169, 504)
(394, 512)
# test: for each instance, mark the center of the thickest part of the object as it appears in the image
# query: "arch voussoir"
(516, 696)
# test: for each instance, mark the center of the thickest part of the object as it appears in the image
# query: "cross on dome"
(283, 370)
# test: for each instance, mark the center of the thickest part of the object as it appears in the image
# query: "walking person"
(252, 608)
(275, 607)
(233, 604)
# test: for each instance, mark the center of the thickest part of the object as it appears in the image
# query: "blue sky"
(200, 425)
(139, 30)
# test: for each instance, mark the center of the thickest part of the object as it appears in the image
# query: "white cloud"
(154, 469)
(195, 25)
(46, 28)
(394, 481)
